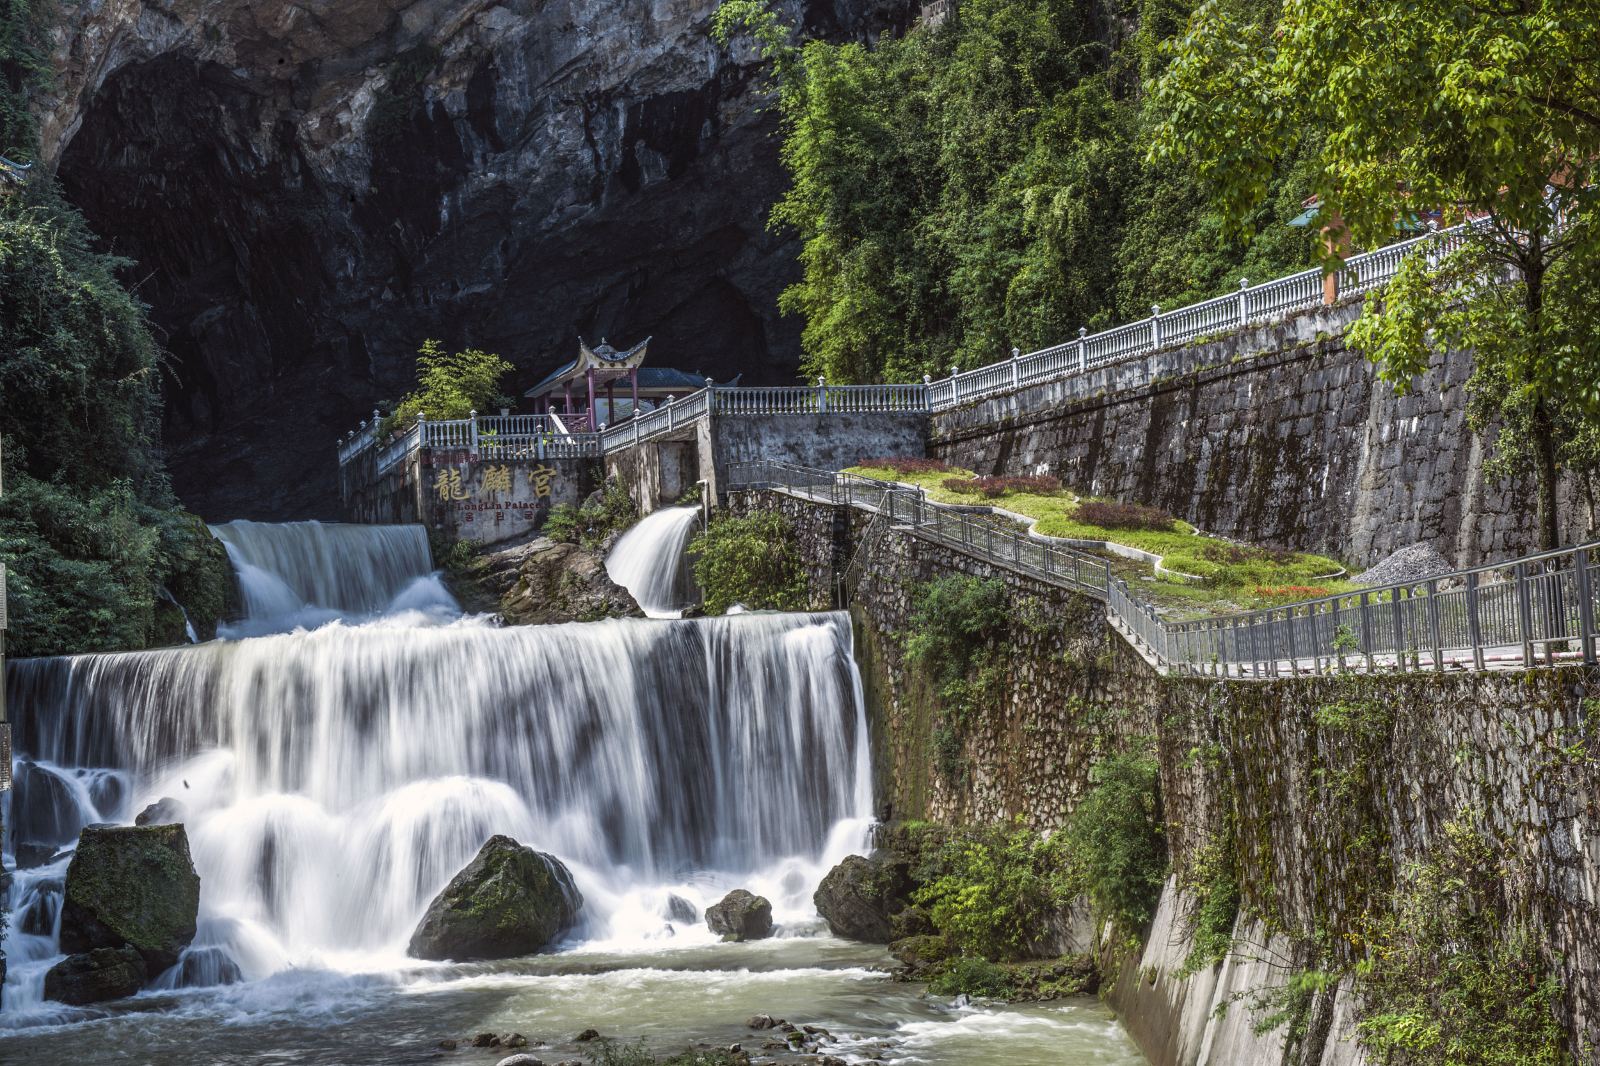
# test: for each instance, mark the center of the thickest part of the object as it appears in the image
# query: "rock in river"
(95, 976)
(741, 915)
(860, 896)
(510, 900)
(134, 886)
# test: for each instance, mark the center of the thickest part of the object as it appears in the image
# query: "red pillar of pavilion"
(633, 377)
(589, 414)
(611, 400)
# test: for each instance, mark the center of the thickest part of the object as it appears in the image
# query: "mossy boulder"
(95, 976)
(860, 897)
(741, 915)
(509, 900)
(133, 886)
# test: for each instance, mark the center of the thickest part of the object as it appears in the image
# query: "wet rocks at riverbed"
(860, 897)
(537, 581)
(510, 900)
(131, 886)
(740, 915)
(95, 976)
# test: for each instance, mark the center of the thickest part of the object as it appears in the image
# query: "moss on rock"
(510, 900)
(133, 886)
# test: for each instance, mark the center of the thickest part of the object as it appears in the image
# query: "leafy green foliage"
(1427, 106)
(751, 560)
(450, 385)
(89, 531)
(958, 626)
(993, 893)
(967, 975)
(1118, 842)
(591, 525)
(24, 70)
(1212, 881)
(964, 190)
(1453, 978)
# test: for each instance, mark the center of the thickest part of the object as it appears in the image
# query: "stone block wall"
(1280, 435)
(1328, 788)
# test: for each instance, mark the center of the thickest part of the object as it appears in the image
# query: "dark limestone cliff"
(310, 189)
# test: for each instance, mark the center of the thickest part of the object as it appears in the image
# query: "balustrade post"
(1155, 325)
(955, 384)
(1366, 629)
(422, 429)
(1586, 634)
(1474, 622)
(1083, 349)
(635, 427)
(1399, 631)
(1434, 636)
(375, 421)
(822, 394)
(1244, 301)
(1016, 368)
(1293, 645)
(1525, 614)
(472, 429)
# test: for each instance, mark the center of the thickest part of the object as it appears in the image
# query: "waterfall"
(304, 574)
(649, 562)
(334, 779)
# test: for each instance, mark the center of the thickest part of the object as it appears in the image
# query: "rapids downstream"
(349, 745)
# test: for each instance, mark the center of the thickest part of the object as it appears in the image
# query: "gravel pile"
(1415, 562)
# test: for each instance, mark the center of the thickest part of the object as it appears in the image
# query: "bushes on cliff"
(1118, 841)
(1452, 977)
(590, 526)
(89, 530)
(751, 560)
(995, 893)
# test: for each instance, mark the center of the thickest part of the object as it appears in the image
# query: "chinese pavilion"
(584, 392)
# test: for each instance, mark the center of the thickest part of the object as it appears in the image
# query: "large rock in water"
(509, 900)
(860, 897)
(134, 886)
(741, 916)
(95, 976)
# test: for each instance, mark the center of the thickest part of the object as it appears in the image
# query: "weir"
(333, 780)
(649, 561)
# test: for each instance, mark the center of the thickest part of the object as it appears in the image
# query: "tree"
(980, 186)
(1470, 109)
(450, 385)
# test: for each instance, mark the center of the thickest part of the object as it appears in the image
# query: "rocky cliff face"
(309, 189)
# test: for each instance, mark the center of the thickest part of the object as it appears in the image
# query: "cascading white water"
(333, 780)
(305, 574)
(649, 561)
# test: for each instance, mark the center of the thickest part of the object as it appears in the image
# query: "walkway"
(1540, 610)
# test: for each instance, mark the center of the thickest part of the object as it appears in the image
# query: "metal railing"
(993, 541)
(1537, 610)
(1251, 305)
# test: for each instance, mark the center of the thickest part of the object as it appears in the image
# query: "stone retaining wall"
(1334, 786)
(1279, 435)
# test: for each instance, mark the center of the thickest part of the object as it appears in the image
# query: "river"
(344, 749)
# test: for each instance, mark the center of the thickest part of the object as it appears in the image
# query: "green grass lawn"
(1234, 575)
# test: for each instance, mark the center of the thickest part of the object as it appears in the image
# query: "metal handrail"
(1251, 305)
(1538, 609)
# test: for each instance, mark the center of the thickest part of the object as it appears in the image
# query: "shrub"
(995, 487)
(969, 976)
(750, 560)
(1118, 842)
(449, 385)
(906, 465)
(956, 624)
(1123, 516)
(993, 893)
(1220, 551)
(591, 525)
(1452, 979)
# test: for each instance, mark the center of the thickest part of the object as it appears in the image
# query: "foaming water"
(339, 765)
(301, 575)
(334, 780)
(649, 561)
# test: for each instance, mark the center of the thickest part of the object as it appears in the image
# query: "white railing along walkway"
(1251, 305)
(1538, 610)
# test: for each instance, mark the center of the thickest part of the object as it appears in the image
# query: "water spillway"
(334, 779)
(334, 771)
(649, 561)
